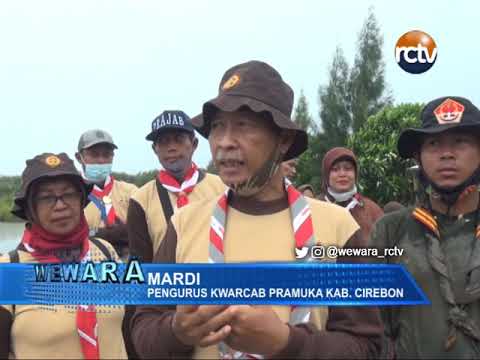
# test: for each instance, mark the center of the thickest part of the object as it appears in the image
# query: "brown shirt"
(146, 220)
(365, 214)
(48, 332)
(116, 234)
(262, 232)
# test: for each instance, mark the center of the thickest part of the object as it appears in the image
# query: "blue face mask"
(97, 173)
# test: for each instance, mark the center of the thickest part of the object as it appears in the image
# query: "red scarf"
(103, 201)
(42, 245)
(182, 190)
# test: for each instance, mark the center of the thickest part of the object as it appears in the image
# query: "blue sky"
(66, 67)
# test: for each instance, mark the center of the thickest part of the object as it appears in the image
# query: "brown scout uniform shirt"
(146, 221)
(50, 332)
(117, 234)
(120, 196)
(261, 231)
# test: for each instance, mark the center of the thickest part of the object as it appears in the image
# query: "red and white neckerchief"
(304, 237)
(87, 326)
(86, 318)
(181, 190)
(356, 200)
(103, 201)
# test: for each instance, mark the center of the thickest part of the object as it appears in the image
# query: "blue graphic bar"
(308, 284)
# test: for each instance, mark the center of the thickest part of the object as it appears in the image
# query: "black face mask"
(448, 195)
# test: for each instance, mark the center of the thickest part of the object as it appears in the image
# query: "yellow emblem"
(53, 161)
(231, 82)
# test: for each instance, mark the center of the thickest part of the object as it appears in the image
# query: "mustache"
(232, 155)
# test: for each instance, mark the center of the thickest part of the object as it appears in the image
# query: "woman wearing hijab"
(339, 186)
(51, 200)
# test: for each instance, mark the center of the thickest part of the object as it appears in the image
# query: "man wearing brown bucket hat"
(250, 133)
(51, 199)
(440, 236)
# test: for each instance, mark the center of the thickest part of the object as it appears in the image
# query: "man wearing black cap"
(107, 212)
(250, 133)
(440, 236)
(179, 183)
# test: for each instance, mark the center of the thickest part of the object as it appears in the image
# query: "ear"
(286, 140)
(78, 157)
(154, 148)
(194, 143)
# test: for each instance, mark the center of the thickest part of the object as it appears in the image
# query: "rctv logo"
(416, 52)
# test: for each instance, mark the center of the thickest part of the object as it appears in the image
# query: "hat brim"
(96, 142)
(154, 134)
(230, 103)
(410, 139)
(20, 203)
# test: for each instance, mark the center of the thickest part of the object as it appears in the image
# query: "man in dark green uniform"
(440, 237)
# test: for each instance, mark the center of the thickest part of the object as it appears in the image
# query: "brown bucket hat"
(260, 87)
(46, 165)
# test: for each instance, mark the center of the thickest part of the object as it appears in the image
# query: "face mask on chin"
(178, 168)
(260, 178)
(97, 173)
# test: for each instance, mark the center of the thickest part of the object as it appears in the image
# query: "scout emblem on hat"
(231, 82)
(449, 112)
(53, 161)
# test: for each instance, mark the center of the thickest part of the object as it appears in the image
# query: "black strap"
(14, 259)
(101, 246)
(165, 201)
(14, 256)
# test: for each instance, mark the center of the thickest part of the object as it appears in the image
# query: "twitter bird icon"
(301, 252)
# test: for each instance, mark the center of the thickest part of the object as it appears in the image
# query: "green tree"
(383, 174)
(334, 102)
(138, 179)
(302, 116)
(211, 168)
(309, 166)
(367, 77)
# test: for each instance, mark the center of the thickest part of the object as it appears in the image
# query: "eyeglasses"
(69, 198)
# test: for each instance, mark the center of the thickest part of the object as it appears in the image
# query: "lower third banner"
(110, 283)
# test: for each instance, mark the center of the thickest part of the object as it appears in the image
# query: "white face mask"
(97, 173)
(344, 196)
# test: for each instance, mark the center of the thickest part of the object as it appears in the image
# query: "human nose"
(446, 151)
(226, 138)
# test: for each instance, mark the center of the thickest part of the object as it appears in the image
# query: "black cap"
(439, 115)
(168, 120)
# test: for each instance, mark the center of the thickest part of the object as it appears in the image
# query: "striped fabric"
(424, 217)
(304, 237)
(181, 190)
(87, 326)
(87, 330)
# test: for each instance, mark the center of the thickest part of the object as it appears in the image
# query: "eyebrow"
(49, 189)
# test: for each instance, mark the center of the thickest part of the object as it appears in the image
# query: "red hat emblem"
(449, 112)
